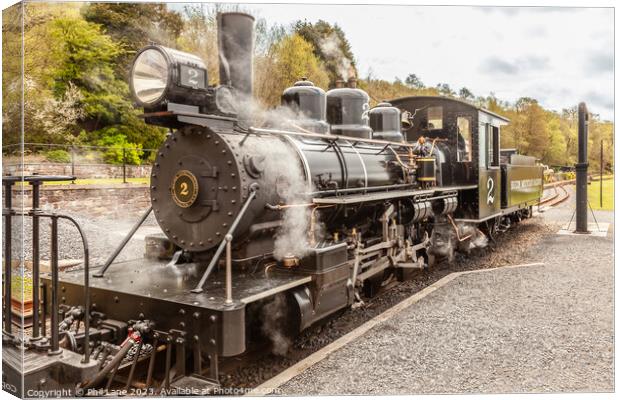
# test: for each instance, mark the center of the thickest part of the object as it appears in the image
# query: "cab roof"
(454, 100)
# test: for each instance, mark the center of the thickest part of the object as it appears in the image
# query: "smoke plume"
(331, 47)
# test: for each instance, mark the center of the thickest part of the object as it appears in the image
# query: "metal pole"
(121, 246)
(55, 349)
(7, 257)
(253, 191)
(228, 240)
(582, 172)
(86, 359)
(124, 166)
(44, 311)
(86, 303)
(73, 162)
(35, 259)
(601, 185)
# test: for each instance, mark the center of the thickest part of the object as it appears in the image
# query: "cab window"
(492, 139)
(434, 118)
(464, 139)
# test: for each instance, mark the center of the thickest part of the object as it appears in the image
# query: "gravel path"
(532, 329)
(103, 236)
(509, 249)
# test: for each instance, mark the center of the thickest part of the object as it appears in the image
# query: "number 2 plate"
(192, 77)
(184, 189)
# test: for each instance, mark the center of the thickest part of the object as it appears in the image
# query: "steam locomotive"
(312, 205)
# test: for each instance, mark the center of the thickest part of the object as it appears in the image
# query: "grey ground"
(531, 329)
(103, 235)
(536, 329)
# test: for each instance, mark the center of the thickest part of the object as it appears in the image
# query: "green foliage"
(58, 156)
(331, 46)
(134, 25)
(381, 90)
(414, 82)
(445, 90)
(78, 56)
(11, 74)
(288, 60)
(466, 94)
(85, 53)
(594, 194)
(86, 57)
(121, 148)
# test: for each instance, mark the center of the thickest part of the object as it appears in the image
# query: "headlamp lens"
(150, 76)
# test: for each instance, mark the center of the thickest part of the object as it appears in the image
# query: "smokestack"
(235, 36)
(339, 84)
(352, 82)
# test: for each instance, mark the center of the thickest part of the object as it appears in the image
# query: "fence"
(81, 161)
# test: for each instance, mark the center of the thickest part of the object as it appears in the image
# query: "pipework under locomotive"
(312, 205)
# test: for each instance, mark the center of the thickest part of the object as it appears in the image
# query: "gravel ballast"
(536, 329)
(103, 236)
(531, 329)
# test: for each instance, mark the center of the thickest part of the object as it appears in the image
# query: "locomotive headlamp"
(160, 74)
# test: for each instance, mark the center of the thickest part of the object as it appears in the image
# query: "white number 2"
(490, 191)
(193, 76)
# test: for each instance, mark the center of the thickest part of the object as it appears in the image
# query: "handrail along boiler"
(310, 207)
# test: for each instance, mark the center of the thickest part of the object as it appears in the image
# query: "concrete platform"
(533, 329)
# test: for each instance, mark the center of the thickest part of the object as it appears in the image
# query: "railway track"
(264, 365)
(559, 196)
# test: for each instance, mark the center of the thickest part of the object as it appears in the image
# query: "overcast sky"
(559, 56)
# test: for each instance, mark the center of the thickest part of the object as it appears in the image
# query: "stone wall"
(97, 201)
(84, 171)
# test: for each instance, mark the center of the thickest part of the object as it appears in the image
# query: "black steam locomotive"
(311, 206)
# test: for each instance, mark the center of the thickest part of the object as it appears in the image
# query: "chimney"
(235, 37)
(352, 82)
(339, 84)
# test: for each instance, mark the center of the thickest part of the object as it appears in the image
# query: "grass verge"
(608, 195)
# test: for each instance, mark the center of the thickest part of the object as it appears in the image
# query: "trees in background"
(11, 75)
(331, 46)
(199, 36)
(288, 60)
(445, 90)
(414, 82)
(78, 57)
(466, 94)
(134, 25)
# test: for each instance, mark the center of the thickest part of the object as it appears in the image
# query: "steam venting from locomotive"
(331, 47)
(292, 239)
(226, 150)
(235, 45)
(273, 316)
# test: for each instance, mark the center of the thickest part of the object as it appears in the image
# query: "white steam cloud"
(273, 318)
(292, 238)
(445, 241)
(331, 47)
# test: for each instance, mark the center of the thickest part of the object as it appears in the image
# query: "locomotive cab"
(466, 140)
